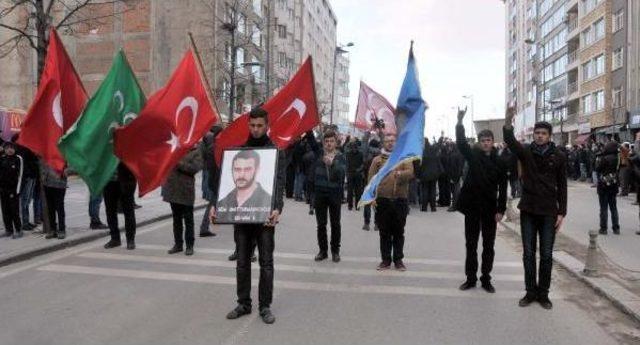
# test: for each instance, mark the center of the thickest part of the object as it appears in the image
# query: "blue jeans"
(298, 186)
(607, 200)
(94, 208)
(532, 227)
(26, 194)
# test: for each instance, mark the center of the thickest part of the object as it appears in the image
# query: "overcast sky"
(459, 46)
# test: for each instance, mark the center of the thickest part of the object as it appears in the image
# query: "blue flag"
(410, 124)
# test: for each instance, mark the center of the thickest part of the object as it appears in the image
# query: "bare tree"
(34, 18)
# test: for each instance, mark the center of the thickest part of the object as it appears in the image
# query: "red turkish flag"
(173, 120)
(292, 112)
(56, 107)
(371, 107)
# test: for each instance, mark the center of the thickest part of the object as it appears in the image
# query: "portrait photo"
(247, 178)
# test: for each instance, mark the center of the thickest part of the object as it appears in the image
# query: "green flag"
(88, 144)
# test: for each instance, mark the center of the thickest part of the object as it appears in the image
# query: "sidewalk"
(77, 217)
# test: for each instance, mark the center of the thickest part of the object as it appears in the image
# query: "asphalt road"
(87, 295)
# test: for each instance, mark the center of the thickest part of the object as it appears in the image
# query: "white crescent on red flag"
(56, 107)
(371, 107)
(292, 112)
(171, 123)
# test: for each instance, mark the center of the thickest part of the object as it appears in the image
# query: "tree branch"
(22, 33)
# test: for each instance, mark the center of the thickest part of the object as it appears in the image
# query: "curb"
(31, 253)
(619, 296)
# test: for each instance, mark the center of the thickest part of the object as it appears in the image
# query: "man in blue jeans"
(543, 205)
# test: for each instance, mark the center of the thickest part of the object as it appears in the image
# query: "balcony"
(572, 87)
(572, 27)
(572, 60)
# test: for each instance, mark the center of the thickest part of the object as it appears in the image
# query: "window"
(593, 33)
(618, 58)
(599, 98)
(593, 67)
(618, 20)
(282, 59)
(599, 62)
(282, 31)
(599, 29)
(242, 24)
(587, 106)
(239, 57)
(617, 97)
(589, 5)
(554, 20)
(587, 36)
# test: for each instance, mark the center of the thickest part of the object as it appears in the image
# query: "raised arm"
(509, 137)
(461, 139)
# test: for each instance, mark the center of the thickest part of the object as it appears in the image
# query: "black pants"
(332, 204)
(11, 211)
(455, 192)
(354, 190)
(428, 194)
(607, 199)
(290, 179)
(246, 235)
(444, 191)
(391, 217)
(114, 193)
(182, 214)
(474, 225)
(55, 203)
(534, 226)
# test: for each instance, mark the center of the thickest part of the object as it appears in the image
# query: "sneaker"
(616, 231)
(400, 266)
(61, 235)
(545, 302)
(384, 265)
(267, 316)
(335, 257)
(189, 251)
(207, 233)
(175, 249)
(112, 244)
(527, 299)
(311, 213)
(366, 227)
(17, 234)
(488, 287)
(98, 226)
(131, 245)
(467, 285)
(50, 235)
(451, 209)
(239, 311)
(27, 227)
(233, 257)
(602, 231)
(321, 256)
(6, 234)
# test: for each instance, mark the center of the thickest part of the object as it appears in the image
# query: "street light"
(339, 50)
(470, 97)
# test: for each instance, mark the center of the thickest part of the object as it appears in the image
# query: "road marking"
(282, 284)
(291, 268)
(514, 264)
(61, 254)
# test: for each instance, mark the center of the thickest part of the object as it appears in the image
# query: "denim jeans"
(94, 208)
(532, 227)
(37, 203)
(26, 194)
(298, 185)
(607, 198)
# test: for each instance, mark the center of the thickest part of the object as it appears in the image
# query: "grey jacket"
(180, 186)
(50, 178)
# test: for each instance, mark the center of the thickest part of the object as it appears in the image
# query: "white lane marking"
(514, 264)
(61, 254)
(282, 284)
(291, 268)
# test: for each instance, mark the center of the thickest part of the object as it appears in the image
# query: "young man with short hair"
(543, 205)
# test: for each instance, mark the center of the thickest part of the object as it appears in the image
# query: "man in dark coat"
(511, 162)
(261, 234)
(456, 168)
(355, 174)
(608, 168)
(543, 205)
(210, 176)
(482, 201)
(430, 171)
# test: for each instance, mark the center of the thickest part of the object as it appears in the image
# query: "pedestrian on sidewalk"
(29, 176)
(483, 201)
(210, 177)
(608, 168)
(456, 168)
(370, 150)
(55, 188)
(355, 174)
(94, 213)
(543, 205)
(11, 172)
(180, 192)
(625, 169)
(120, 191)
(430, 171)
(328, 176)
(392, 206)
(246, 235)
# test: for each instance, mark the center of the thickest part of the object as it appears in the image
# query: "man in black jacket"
(608, 168)
(430, 171)
(543, 205)
(482, 201)
(11, 170)
(355, 174)
(261, 234)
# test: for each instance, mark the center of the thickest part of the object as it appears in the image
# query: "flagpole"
(203, 75)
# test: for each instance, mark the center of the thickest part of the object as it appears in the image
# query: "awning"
(581, 139)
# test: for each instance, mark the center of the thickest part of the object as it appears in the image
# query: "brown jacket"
(392, 186)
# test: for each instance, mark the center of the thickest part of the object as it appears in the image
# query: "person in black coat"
(608, 166)
(444, 185)
(355, 174)
(511, 162)
(210, 177)
(456, 168)
(430, 171)
(482, 201)
(11, 171)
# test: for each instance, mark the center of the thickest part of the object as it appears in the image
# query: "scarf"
(540, 149)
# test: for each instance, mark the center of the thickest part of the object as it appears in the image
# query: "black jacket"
(327, 179)
(355, 160)
(544, 178)
(511, 162)
(431, 167)
(11, 172)
(608, 166)
(30, 161)
(484, 190)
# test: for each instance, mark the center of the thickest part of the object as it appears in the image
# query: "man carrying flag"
(391, 172)
(88, 146)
